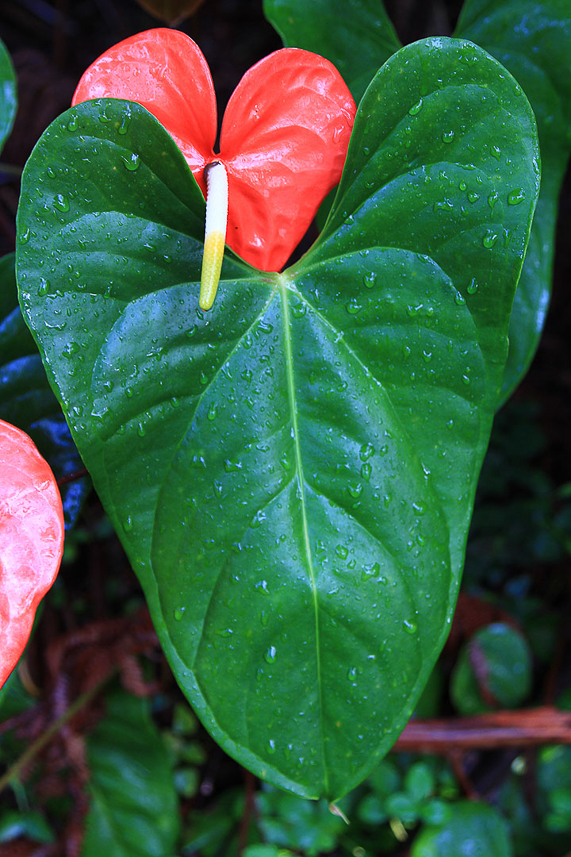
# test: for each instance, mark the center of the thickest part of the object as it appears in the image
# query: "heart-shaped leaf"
(357, 37)
(8, 94)
(26, 399)
(292, 473)
(533, 41)
(31, 540)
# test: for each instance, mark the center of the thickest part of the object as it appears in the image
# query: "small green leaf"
(292, 474)
(8, 94)
(357, 37)
(504, 659)
(472, 830)
(419, 781)
(134, 807)
(32, 825)
(26, 399)
(533, 40)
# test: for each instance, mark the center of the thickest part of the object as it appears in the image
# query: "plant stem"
(10, 169)
(38, 745)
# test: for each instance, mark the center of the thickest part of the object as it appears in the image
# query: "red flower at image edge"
(283, 140)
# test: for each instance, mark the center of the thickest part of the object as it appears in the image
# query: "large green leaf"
(134, 806)
(292, 474)
(533, 40)
(357, 37)
(26, 399)
(8, 95)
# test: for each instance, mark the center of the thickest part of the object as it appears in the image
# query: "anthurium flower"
(283, 140)
(31, 540)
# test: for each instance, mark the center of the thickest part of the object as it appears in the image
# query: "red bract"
(31, 540)
(284, 134)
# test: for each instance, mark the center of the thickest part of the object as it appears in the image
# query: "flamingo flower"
(31, 540)
(283, 140)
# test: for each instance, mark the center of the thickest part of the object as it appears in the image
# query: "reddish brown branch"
(498, 729)
(72, 477)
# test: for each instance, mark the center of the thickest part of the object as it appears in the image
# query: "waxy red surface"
(284, 135)
(31, 540)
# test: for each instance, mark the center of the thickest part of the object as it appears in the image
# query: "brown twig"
(249, 784)
(72, 477)
(498, 729)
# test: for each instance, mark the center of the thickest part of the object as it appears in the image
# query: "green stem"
(11, 169)
(38, 745)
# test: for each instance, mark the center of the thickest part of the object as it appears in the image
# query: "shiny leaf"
(533, 40)
(26, 399)
(292, 473)
(8, 94)
(357, 37)
(134, 807)
(31, 540)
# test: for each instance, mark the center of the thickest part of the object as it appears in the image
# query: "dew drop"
(72, 124)
(489, 240)
(212, 411)
(232, 466)
(125, 122)
(516, 196)
(43, 288)
(369, 280)
(355, 489)
(366, 471)
(23, 236)
(472, 287)
(410, 627)
(366, 451)
(473, 196)
(132, 162)
(416, 108)
(353, 307)
(179, 613)
(61, 202)
(448, 136)
(128, 524)
(270, 655)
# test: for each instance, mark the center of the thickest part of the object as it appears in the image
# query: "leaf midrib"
(284, 289)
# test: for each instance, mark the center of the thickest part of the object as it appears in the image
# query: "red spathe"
(283, 140)
(31, 540)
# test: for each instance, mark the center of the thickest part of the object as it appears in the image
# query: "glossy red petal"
(165, 71)
(284, 141)
(31, 540)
